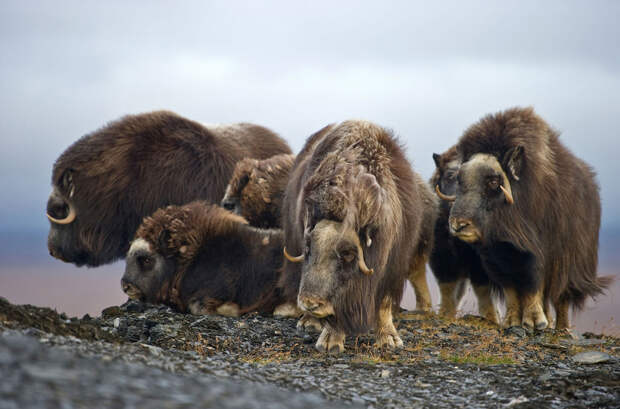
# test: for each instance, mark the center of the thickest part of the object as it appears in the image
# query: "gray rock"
(591, 357)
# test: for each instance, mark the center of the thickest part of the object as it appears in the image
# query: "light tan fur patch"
(228, 309)
(288, 309)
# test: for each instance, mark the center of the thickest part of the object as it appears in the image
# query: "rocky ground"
(140, 355)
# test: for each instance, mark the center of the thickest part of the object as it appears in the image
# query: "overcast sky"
(425, 70)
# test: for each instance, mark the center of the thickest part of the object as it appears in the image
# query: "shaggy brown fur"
(556, 213)
(125, 171)
(212, 257)
(356, 174)
(256, 189)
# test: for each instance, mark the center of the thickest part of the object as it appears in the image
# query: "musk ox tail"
(589, 289)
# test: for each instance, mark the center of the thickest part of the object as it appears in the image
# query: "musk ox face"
(68, 238)
(333, 257)
(256, 188)
(146, 271)
(482, 189)
(446, 185)
(236, 187)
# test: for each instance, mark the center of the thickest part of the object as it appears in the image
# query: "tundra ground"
(139, 354)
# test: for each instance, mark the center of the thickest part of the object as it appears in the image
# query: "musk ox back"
(256, 189)
(352, 217)
(202, 259)
(107, 181)
(532, 210)
(453, 261)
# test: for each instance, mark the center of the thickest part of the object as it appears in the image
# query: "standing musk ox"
(256, 190)
(359, 221)
(453, 261)
(107, 181)
(202, 259)
(532, 210)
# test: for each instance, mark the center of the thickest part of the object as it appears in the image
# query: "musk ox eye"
(145, 261)
(348, 256)
(493, 184)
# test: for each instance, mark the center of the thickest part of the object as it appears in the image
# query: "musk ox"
(256, 189)
(108, 180)
(353, 216)
(453, 261)
(202, 259)
(532, 210)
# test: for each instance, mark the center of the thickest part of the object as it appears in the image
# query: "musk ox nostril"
(124, 285)
(458, 224)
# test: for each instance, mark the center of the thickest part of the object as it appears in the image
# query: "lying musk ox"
(453, 261)
(203, 259)
(256, 190)
(532, 210)
(354, 217)
(107, 181)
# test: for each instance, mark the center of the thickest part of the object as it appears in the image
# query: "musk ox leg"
(417, 278)
(386, 332)
(308, 323)
(486, 305)
(561, 315)
(203, 305)
(451, 294)
(228, 309)
(533, 312)
(547, 309)
(331, 340)
(288, 309)
(513, 308)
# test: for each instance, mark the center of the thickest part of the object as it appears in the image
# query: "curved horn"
(362, 263)
(70, 217)
(292, 259)
(444, 197)
(508, 194)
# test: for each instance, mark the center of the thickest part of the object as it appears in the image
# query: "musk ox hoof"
(389, 340)
(534, 314)
(330, 341)
(511, 319)
(535, 320)
(447, 311)
(489, 314)
(288, 309)
(309, 324)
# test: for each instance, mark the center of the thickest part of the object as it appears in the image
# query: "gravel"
(140, 355)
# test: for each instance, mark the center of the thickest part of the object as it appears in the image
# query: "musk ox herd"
(226, 220)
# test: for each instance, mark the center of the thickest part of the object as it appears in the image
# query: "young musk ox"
(359, 221)
(256, 190)
(203, 259)
(107, 181)
(453, 261)
(532, 210)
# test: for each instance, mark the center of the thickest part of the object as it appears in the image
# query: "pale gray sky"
(425, 70)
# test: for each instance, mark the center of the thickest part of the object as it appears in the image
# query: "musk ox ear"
(436, 158)
(513, 161)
